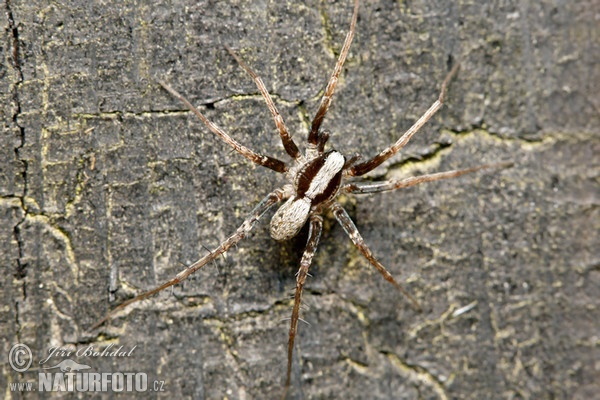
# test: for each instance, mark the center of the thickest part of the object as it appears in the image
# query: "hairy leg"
(265, 161)
(266, 203)
(314, 233)
(344, 219)
(288, 143)
(366, 166)
(361, 188)
(313, 136)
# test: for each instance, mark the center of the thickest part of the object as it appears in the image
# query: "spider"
(315, 179)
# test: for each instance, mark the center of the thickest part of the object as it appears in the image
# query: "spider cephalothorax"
(314, 181)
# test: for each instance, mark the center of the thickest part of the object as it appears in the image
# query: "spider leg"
(288, 143)
(361, 188)
(313, 136)
(266, 161)
(239, 234)
(366, 166)
(344, 219)
(314, 233)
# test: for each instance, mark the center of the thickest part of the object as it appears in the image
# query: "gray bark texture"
(109, 187)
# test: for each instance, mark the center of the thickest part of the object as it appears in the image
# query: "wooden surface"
(108, 187)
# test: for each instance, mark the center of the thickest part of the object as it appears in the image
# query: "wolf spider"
(315, 179)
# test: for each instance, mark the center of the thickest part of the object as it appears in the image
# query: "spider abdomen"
(289, 218)
(316, 182)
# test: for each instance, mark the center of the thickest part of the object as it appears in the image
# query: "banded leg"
(366, 166)
(314, 233)
(288, 143)
(313, 136)
(266, 161)
(362, 188)
(344, 219)
(239, 234)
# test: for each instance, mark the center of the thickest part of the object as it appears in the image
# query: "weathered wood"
(107, 183)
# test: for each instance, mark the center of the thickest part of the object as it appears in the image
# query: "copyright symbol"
(20, 357)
